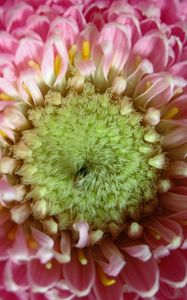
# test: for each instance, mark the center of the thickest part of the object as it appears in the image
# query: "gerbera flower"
(93, 117)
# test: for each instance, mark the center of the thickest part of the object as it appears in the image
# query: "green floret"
(87, 160)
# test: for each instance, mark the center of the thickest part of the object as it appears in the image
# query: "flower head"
(93, 187)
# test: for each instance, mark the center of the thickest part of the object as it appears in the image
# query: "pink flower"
(93, 187)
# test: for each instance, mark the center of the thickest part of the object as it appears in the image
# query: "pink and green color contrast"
(93, 150)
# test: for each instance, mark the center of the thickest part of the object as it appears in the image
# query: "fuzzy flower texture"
(93, 149)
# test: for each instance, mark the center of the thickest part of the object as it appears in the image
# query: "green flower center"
(88, 161)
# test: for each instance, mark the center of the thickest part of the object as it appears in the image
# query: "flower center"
(87, 160)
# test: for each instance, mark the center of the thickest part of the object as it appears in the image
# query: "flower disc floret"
(88, 161)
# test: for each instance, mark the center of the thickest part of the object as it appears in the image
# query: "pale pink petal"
(141, 252)
(45, 251)
(82, 228)
(43, 239)
(7, 88)
(115, 259)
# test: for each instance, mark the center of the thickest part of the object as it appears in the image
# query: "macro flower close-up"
(93, 149)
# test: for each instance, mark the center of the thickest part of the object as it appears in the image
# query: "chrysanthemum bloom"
(93, 119)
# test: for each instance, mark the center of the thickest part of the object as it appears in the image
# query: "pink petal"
(19, 251)
(7, 88)
(154, 47)
(54, 46)
(42, 278)
(67, 30)
(80, 285)
(115, 259)
(29, 49)
(141, 277)
(8, 44)
(112, 292)
(141, 252)
(39, 24)
(177, 276)
(17, 15)
(15, 275)
(167, 229)
(174, 202)
(175, 138)
(13, 296)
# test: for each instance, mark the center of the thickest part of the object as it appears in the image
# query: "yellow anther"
(12, 233)
(82, 258)
(138, 60)
(2, 133)
(49, 265)
(72, 52)
(155, 234)
(58, 64)
(104, 279)
(148, 84)
(5, 97)
(33, 65)
(26, 90)
(33, 245)
(86, 50)
(171, 113)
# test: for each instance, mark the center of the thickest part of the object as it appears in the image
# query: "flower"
(93, 149)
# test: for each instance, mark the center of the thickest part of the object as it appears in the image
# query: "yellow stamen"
(26, 90)
(33, 65)
(5, 97)
(104, 279)
(86, 50)
(12, 233)
(2, 133)
(49, 265)
(33, 245)
(148, 85)
(138, 60)
(155, 234)
(71, 53)
(82, 258)
(58, 64)
(171, 113)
